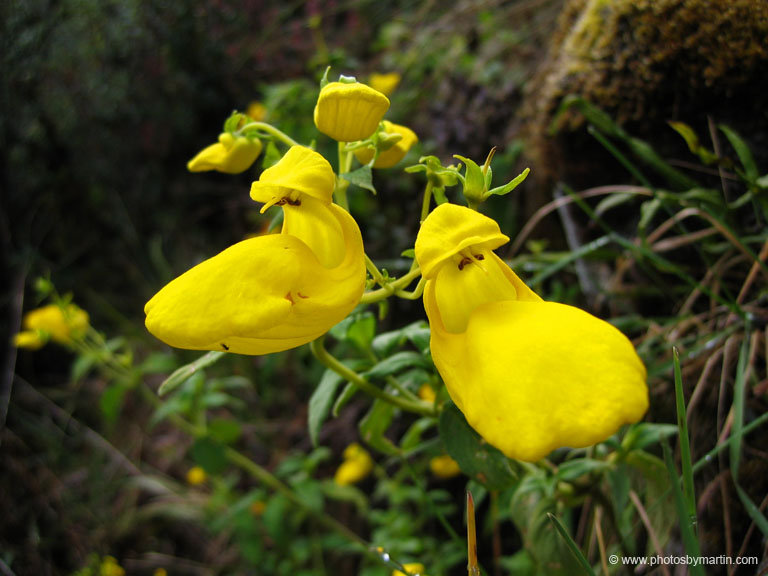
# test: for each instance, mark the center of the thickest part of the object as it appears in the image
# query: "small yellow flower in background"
(530, 376)
(356, 466)
(349, 112)
(391, 156)
(272, 292)
(160, 572)
(384, 83)
(231, 155)
(444, 467)
(110, 567)
(256, 110)
(257, 507)
(427, 393)
(196, 476)
(411, 569)
(62, 324)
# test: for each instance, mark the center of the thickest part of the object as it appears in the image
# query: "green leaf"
(397, 362)
(345, 396)
(412, 437)
(321, 402)
(183, 374)
(644, 434)
(574, 469)
(157, 363)
(692, 140)
(224, 430)
(507, 188)
(362, 330)
(272, 156)
(209, 454)
(111, 401)
(742, 151)
(476, 458)
(362, 177)
(375, 424)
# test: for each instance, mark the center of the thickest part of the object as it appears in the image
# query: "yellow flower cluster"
(60, 323)
(530, 376)
(356, 466)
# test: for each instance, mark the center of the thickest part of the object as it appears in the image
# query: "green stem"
(269, 129)
(395, 288)
(426, 201)
(330, 362)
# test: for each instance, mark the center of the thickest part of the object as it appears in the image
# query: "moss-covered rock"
(646, 62)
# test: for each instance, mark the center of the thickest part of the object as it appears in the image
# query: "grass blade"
(685, 448)
(571, 544)
(686, 529)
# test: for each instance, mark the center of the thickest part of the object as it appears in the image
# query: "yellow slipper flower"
(273, 292)
(530, 376)
(231, 155)
(62, 324)
(391, 156)
(349, 112)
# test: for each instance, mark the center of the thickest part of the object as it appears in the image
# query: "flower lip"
(450, 229)
(300, 171)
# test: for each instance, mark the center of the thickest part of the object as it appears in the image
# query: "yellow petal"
(29, 339)
(531, 377)
(262, 295)
(448, 230)
(393, 155)
(313, 222)
(230, 155)
(299, 172)
(349, 112)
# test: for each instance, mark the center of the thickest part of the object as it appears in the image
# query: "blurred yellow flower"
(62, 324)
(349, 112)
(160, 572)
(231, 155)
(110, 567)
(384, 83)
(530, 376)
(444, 466)
(196, 476)
(356, 466)
(411, 569)
(257, 507)
(427, 393)
(256, 110)
(391, 156)
(273, 292)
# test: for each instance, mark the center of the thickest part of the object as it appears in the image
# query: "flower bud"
(231, 155)
(349, 112)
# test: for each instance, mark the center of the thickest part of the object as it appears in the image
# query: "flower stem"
(332, 363)
(269, 129)
(395, 288)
